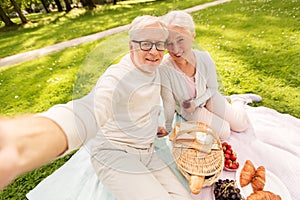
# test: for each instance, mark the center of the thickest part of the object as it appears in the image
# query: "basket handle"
(201, 127)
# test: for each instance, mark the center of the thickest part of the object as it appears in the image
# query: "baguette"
(195, 183)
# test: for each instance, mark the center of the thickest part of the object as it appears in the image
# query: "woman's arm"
(168, 100)
(208, 72)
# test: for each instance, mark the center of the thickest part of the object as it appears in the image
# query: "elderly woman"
(189, 82)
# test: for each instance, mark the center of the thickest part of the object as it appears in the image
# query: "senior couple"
(120, 116)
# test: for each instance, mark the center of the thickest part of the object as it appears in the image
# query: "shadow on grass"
(57, 27)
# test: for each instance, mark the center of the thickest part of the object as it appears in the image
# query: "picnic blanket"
(272, 140)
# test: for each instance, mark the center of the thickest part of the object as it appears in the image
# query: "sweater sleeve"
(207, 70)
(76, 119)
(167, 99)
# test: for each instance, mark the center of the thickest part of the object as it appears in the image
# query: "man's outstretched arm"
(26, 143)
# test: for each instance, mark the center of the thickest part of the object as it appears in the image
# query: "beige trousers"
(222, 116)
(136, 174)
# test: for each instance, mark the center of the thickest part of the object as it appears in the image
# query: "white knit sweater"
(124, 105)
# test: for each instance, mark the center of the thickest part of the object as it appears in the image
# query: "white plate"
(273, 184)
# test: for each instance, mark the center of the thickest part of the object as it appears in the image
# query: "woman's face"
(179, 43)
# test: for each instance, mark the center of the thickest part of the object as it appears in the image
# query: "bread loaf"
(195, 183)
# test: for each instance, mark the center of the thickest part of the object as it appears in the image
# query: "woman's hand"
(161, 132)
(189, 106)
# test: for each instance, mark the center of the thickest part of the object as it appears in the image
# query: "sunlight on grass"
(48, 29)
(257, 51)
(134, 2)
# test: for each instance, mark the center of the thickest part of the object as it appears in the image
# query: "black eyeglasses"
(146, 46)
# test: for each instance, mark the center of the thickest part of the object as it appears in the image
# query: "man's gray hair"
(181, 19)
(143, 21)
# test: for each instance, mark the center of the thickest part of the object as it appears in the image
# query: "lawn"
(47, 29)
(255, 45)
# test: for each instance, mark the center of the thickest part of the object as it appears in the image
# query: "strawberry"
(228, 146)
(230, 161)
(224, 144)
(234, 166)
(233, 157)
(227, 161)
(228, 151)
(227, 156)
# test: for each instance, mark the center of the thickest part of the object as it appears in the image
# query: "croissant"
(195, 183)
(259, 179)
(247, 173)
(263, 195)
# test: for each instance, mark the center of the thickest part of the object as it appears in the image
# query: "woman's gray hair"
(181, 19)
(141, 22)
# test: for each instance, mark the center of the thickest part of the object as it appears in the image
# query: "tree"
(5, 18)
(18, 10)
(45, 6)
(58, 4)
(89, 3)
(68, 5)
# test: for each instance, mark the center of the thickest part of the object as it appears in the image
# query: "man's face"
(179, 43)
(147, 48)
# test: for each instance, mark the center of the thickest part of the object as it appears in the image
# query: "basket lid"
(196, 148)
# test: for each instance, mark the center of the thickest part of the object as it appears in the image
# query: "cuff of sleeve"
(198, 103)
(64, 118)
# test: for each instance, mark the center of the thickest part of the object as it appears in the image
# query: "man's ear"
(130, 46)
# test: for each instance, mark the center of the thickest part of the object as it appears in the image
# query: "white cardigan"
(174, 85)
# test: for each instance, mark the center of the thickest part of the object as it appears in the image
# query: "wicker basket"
(194, 157)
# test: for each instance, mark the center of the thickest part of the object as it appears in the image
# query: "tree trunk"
(115, 2)
(5, 18)
(59, 7)
(18, 10)
(45, 6)
(89, 3)
(68, 6)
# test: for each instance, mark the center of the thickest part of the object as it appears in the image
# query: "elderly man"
(123, 109)
(128, 93)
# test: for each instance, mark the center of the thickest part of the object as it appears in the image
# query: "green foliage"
(254, 44)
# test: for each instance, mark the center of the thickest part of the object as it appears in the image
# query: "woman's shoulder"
(201, 54)
(166, 64)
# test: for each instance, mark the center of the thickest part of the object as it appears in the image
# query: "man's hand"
(8, 158)
(161, 132)
(26, 143)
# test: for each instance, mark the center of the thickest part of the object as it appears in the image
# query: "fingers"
(161, 132)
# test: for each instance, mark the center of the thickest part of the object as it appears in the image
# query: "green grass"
(48, 29)
(36, 85)
(255, 45)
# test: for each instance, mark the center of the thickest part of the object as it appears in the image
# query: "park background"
(254, 43)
